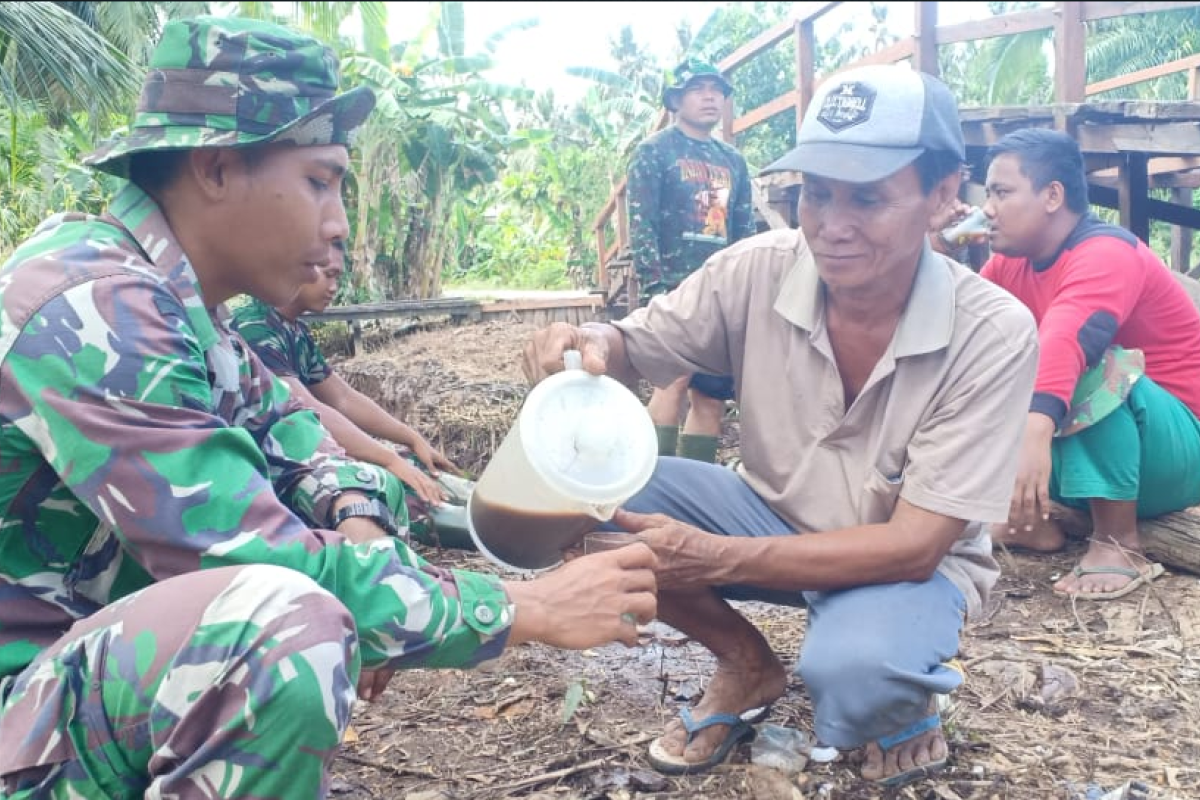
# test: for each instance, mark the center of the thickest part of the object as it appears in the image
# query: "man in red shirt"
(1112, 423)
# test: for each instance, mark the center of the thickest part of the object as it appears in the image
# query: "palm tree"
(52, 58)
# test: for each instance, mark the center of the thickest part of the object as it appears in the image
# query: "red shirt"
(1104, 287)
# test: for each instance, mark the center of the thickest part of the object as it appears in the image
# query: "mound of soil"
(1061, 700)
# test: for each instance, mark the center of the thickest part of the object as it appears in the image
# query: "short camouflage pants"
(232, 682)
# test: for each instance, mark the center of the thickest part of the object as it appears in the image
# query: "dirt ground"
(1061, 700)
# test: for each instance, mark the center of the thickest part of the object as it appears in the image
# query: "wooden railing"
(1067, 20)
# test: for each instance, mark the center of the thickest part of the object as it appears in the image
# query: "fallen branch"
(550, 776)
(422, 772)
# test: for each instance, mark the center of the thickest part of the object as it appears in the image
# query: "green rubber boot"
(668, 439)
(698, 447)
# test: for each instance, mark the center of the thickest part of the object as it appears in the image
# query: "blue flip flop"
(739, 731)
(911, 732)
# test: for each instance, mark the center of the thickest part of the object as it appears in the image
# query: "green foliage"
(439, 131)
(54, 59)
(1117, 47)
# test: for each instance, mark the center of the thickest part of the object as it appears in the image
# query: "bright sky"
(577, 34)
(568, 34)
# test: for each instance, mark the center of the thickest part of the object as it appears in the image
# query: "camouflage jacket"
(140, 439)
(285, 347)
(687, 199)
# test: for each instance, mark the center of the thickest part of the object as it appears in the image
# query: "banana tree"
(439, 129)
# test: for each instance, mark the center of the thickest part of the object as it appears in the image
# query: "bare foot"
(1102, 554)
(925, 749)
(1045, 537)
(732, 690)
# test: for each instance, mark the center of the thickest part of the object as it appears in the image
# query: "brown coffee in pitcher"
(527, 539)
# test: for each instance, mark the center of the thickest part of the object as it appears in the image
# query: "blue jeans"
(872, 656)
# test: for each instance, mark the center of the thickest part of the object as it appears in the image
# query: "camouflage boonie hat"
(687, 73)
(224, 82)
(1103, 388)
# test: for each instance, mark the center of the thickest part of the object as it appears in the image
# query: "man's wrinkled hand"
(543, 355)
(688, 557)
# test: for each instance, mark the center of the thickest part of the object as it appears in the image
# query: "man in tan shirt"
(883, 390)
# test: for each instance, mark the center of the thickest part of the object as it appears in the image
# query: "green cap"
(229, 81)
(687, 73)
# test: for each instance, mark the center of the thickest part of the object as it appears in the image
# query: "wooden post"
(806, 49)
(1181, 237)
(622, 210)
(925, 49)
(602, 263)
(1133, 189)
(1070, 60)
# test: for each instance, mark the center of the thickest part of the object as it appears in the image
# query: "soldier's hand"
(588, 601)
(372, 682)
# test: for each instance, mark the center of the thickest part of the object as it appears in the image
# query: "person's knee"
(853, 661)
(292, 625)
(289, 608)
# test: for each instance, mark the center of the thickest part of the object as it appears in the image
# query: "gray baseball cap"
(867, 123)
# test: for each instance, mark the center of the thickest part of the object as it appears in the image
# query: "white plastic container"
(974, 225)
(581, 446)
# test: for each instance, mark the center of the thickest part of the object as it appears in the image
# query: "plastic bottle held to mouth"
(972, 226)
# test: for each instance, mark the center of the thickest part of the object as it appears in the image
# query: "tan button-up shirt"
(939, 421)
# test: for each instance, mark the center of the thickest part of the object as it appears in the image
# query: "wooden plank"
(1168, 138)
(1155, 209)
(772, 36)
(534, 303)
(607, 210)
(1104, 10)
(395, 308)
(1178, 65)
(1189, 179)
(1001, 25)
(765, 111)
(892, 54)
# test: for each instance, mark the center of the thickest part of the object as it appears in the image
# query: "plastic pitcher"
(581, 446)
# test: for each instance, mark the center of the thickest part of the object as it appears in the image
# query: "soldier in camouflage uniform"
(185, 612)
(284, 342)
(689, 196)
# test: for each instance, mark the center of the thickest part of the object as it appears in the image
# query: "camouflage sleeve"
(313, 367)
(266, 340)
(304, 464)
(741, 204)
(643, 188)
(112, 387)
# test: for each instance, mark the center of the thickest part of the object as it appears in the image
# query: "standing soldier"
(689, 196)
